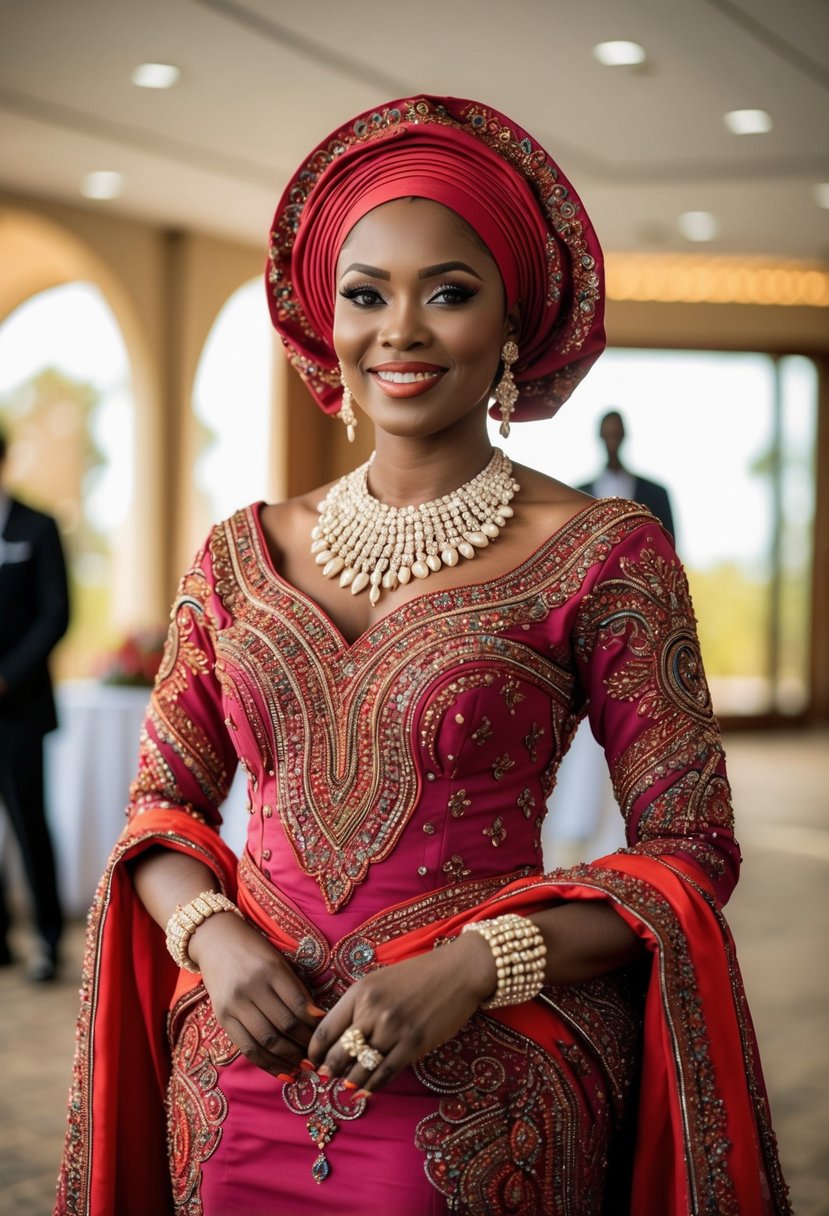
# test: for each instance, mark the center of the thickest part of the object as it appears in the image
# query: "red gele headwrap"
(492, 174)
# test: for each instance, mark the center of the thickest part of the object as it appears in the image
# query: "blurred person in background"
(385, 1005)
(615, 481)
(34, 616)
(584, 820)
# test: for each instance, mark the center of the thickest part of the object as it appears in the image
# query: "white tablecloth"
(90, 761)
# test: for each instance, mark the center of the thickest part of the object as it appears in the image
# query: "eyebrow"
(428, 272)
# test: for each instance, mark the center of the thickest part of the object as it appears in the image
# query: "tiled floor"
(780, 916)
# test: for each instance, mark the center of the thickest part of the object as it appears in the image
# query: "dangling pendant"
(327, 1104)
(320, 1169)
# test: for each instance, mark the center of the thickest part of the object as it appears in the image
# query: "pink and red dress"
(397, 788)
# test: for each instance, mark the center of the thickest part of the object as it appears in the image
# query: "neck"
(409, 471)
(615, 465)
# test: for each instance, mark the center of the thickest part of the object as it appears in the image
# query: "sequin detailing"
(322, 712)
(196, 1106)
(642, 618)
(511, 1132)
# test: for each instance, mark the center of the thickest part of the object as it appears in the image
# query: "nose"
(404, 326)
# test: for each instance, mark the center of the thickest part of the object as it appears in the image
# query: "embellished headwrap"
(492, 174)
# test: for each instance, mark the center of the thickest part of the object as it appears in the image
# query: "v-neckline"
(268, 566)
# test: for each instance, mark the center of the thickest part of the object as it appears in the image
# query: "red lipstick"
(400, 379)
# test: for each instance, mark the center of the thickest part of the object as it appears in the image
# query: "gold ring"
(353, 1041)
(370, 1058)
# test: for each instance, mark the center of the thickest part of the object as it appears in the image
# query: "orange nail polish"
(286, 1077)
(363, 1093)
(349, 1084)
(316, 1011)
(324, 1073)
(307, 1066)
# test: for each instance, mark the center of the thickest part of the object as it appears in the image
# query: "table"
(90, 762)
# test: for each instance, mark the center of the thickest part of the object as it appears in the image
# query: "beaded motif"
(528, 158)
(331, 709)
(645, 614)
(184, 662)
(196, 1106)
(511, 1132)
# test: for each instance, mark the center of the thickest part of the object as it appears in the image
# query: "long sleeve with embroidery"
(186, 757)
(639, 663)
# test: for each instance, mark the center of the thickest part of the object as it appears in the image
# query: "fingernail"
(349, 1084)
(316, 1011)
(324, 1073)
(307, 1066)
(286, 1077)
(362, 1093)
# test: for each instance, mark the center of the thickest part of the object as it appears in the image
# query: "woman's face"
(419, 319)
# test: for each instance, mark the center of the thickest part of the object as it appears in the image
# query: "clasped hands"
(403, 1011)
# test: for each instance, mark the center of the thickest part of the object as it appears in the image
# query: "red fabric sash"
(704, 1142)
(115, 1155)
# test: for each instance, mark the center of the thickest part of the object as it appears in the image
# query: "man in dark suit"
(34, 614)
(617, 482)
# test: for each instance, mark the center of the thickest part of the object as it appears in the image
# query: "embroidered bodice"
(425, 752)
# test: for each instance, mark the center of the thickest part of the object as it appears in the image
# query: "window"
(231, 404)
(731, 436)
(66, 405)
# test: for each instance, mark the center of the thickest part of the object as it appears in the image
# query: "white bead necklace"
(371, 545)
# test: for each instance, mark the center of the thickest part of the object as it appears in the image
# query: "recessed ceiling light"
(156, 75)
(822, 194)
(103, 184)
(748, 122)
(619, 54)
(698, 225)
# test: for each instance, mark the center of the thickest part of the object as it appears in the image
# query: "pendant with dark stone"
(327, 1104)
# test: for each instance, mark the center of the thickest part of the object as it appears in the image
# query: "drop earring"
(506, 390)
(346, 413)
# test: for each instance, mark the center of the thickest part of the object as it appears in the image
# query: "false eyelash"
(461, 292)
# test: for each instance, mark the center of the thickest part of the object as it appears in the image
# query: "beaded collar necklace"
(371, 545)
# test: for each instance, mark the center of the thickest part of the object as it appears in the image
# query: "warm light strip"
(677, 279)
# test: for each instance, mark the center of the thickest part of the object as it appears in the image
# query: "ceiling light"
(156, 75)
(822, 194)
(748, 122)
(619, 54)
(103, 184)
(698, 225)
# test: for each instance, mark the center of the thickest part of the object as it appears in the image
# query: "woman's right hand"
(258, 1000)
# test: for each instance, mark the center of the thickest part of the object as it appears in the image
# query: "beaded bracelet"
(185, 921)
(520, 958)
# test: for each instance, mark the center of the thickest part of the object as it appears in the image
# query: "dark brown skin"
(425, 447)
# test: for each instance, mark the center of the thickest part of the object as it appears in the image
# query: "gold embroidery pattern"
(496, 832)
(529, 159)
(646, 612)
(75, 1181)
(527, 803)
(458, 803)
(185, 661)
(328, 710)
(502, 765)
(483, 732)
(196, 1106)
(509, 1117)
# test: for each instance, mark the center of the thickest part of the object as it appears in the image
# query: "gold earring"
(506, 390)
(346, 413)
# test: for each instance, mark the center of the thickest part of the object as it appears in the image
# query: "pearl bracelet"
(520, 956)
(185, 921)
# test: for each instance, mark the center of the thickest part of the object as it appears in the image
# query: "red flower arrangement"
(137, 659)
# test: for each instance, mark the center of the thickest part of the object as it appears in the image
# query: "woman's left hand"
(406, 1010)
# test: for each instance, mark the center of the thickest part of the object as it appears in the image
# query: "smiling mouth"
(406, 377)
(401, 380)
